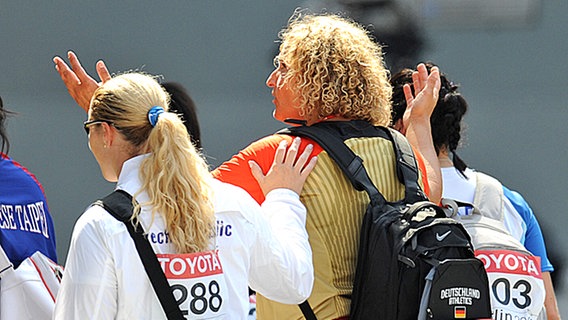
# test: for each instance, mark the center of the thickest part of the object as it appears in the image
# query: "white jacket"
(266, 248)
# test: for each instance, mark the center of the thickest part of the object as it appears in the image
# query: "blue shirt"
(25, 222)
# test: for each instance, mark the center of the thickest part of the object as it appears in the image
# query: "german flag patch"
(459, 313)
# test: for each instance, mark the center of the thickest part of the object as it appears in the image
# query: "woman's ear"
(398, 125)
(109, 134)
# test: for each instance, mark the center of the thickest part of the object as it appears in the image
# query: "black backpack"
(413, 261)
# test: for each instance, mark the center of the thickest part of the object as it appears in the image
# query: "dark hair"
(4, 114)
(182, 104)
(446, 118)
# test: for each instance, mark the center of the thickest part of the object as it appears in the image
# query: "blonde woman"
(186, 214)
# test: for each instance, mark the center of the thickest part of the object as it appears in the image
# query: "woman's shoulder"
(96, 220)
(15, 175)
(519, 204)
(231, 198)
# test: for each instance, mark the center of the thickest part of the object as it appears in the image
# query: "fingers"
(296, 163)
(408, 95)
(79, 84)
(309, 167)
(416, 82)
(422, 71)
(434, 81)
(285, 171)
(420, 78)
(280, 152)
(76, 66)
(303, 158)
(293, 151)
(102, 71)
(425, 83)
(256, 170)
(66, 74)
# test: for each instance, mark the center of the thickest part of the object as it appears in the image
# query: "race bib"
(516, 285)
(197, 282)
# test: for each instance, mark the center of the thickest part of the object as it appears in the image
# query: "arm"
(79, 83)
(416, 123)
(534, 242)
(423, 172)
(282, 268)
(550, 303)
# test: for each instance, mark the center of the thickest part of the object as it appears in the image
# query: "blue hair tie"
(154, 113)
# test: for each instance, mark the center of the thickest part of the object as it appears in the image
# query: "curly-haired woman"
(330, 72)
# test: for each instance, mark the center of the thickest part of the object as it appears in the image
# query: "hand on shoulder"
(286, 171)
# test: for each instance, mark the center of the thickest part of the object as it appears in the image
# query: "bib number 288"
(197, 282)
(198, 299)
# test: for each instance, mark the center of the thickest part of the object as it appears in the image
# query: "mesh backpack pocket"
(456, 289)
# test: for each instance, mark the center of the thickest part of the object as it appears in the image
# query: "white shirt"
(265, 248)
(457, 187)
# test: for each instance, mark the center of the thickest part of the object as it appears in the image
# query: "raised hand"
(416, 123)
(79, 83)
(419, 107)
(286, 171)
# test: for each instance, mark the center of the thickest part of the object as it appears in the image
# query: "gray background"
(514, 79)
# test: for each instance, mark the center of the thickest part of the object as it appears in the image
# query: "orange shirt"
(236, 171)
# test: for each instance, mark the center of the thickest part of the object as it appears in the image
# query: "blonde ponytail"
(176, 178)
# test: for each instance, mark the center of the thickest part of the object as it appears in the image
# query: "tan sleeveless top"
(335, 211)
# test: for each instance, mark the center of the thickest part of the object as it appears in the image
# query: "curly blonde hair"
(336, 67)
(175, 175)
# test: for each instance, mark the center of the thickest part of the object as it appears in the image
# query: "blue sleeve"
(26, 225)
(534, 240)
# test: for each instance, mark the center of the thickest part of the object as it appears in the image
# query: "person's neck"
(444, 159)
(328, 119)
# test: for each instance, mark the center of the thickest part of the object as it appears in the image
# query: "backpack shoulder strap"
(350, 163)
(407, 168)
(488, 197)
(119, 205)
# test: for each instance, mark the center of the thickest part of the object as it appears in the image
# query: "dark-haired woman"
(459, 181)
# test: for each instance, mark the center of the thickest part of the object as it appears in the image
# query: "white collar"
(129, 178)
